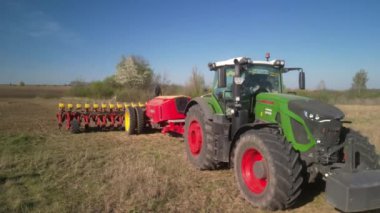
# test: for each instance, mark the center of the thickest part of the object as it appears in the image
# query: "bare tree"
(161, 80)
(196, 83)
(359, 81)
(321, 85)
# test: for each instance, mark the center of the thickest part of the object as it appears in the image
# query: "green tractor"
(277, 142)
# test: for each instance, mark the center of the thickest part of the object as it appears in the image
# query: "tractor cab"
(238, 81)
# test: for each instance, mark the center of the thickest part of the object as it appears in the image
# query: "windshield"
(261, 78)
(257, 78)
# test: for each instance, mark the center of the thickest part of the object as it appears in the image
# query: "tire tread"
(287, 166)
(206, 159)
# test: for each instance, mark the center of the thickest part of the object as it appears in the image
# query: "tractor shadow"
(96, 129)
(91, 130)
(310, 192)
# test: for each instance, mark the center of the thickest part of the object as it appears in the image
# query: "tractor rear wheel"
(199, 143)
(267, 170)
(140, 120)
(130, 121)
(74, 126)
(366, 157)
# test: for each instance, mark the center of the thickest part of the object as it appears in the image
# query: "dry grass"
(44, 169)
(366, 119)
(33, 91)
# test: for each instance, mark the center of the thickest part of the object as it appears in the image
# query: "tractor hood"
(315, 109)
(305, 107)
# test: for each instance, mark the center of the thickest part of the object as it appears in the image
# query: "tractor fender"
(203, 104)
(246, 127)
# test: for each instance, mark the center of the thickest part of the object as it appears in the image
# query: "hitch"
(350, 165)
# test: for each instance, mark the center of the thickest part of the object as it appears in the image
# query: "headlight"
(229, 111)
(280, 63)
(311, 116)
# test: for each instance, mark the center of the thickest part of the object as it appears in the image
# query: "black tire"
(130, 121)
(74, 126)
(279, 174)
(366, 157)
(86, 128)
(200, 156)
(140, 120)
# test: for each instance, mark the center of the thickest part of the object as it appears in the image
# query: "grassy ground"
(33, 91)
(43, 169)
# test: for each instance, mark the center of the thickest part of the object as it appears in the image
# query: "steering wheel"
(259, 89)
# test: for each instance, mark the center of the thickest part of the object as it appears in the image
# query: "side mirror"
(222, 82)
(301, 80)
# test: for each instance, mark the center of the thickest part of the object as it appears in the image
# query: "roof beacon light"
(267, 56)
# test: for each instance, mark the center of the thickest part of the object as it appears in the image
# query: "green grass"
(21, 178)
(24, 172)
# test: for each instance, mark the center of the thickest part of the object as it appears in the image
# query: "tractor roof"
(231, 62)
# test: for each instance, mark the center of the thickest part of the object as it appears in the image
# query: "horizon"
(55, 43)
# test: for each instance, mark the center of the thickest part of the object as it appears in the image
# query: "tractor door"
(224, 94)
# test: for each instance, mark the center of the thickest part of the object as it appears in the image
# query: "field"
(33, 91)
(44, 169)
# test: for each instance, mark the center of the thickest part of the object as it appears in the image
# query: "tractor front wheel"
(366, 157)
(199, 142)
(267, 170)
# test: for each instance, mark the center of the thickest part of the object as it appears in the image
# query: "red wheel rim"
(255, 182)
(195, 137)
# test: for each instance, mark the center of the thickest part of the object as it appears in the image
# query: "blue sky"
(54, 41)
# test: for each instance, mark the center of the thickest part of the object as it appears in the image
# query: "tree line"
(135, 80)
(359, 82)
